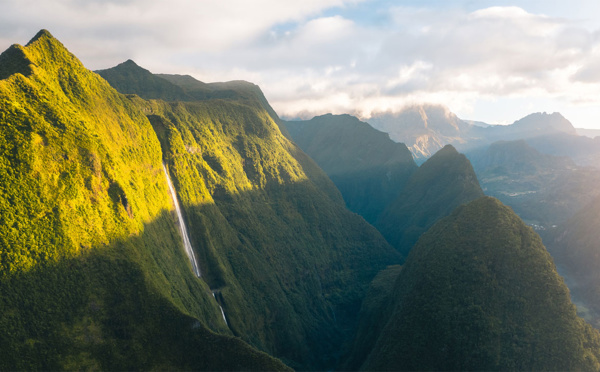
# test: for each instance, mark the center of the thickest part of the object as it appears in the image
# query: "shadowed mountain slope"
(479, 291)
(368, 168)
(442, 183)
(575, 246)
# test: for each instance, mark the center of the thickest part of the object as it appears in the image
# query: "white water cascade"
(221, 307)
(184, 234)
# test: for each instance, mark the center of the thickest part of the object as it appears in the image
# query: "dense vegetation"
(367, 167)
(273, 237)
(443, 182)
(480, 292)
(93, 272)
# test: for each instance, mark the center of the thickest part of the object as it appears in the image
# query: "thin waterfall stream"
(184, 234)
(222, 312)
(186, 240)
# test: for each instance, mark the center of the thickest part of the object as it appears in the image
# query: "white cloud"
(309, 59)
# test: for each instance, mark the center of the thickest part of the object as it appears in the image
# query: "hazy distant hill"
(442, 183)
(576, 248)
(368, 168)
(479, 292)
(583, 150)
(533, 125)
(591, 133)
(542, 189)
(425, 129)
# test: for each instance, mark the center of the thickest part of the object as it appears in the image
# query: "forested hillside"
(478, 291)
(94, 274)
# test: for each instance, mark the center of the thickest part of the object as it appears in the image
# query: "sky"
(492, 61)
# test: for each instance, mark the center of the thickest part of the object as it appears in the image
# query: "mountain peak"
(542, 121)
(130, 63)
(42, 34)
(130, 78)
(446, 150)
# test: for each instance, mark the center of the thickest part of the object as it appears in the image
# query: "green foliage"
(443, 182)
(374, 312)
(368, 168)
(479, 291)
(272, 236)
(92, 272)
(86, 232)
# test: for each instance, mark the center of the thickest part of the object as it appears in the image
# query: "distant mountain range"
(427, 128)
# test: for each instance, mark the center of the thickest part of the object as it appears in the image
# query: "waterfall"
(185, 237)
(183, 230)
(221, 307)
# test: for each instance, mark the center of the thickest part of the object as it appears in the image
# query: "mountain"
(479, 291)
(575, 248)
(442, 183)
(533, 125)
(94, 274)
(542, 189)
(591, 133)
(129, 78)
(367, 167)
(583, 150)
(425, 129)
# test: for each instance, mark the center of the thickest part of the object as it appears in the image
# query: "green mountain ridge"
(93, 273)
(480, 292)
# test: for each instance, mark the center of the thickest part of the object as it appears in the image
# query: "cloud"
(118, 27)
(311, 57)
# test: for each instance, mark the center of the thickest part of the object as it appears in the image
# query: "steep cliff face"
(425, 129)
(94, 274)
(272, 234)
(575, 247)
